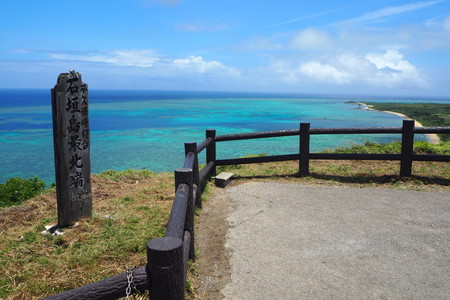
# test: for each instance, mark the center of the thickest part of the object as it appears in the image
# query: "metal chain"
(130, 282)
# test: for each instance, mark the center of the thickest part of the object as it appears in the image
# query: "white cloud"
(323, 72)
(313, 39)
(153, 64)
(392, 68)
(388, 69)
(131, 58)
(196, 64)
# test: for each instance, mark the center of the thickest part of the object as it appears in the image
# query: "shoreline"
(432, 138)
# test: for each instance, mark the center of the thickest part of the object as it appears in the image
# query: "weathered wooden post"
(211, 150)
(407, 148)
(71, 140)
(165, 268)
(304, 149)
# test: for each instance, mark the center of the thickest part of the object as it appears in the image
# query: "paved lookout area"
(291, 241)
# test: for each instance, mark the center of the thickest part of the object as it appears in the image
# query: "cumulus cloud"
(198, 65)
(388, 69)
(392, 68)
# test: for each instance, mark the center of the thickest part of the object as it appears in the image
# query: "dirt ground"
(214, 270)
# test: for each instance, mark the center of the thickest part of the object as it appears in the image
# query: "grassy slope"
(130, 208)
(428, 114)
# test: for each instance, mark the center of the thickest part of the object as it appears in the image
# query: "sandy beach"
(431, 138)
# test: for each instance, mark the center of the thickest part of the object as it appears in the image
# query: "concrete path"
(318, 242)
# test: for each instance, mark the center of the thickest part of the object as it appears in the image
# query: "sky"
(371, 47)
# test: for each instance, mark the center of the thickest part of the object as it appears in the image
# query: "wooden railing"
(406, 157)
(167, 257)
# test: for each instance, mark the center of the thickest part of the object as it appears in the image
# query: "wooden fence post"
(71, 148)
(407, 148)
(211, 149)
(184, 175)
(304, 149)
(165, 269)
(192, 147)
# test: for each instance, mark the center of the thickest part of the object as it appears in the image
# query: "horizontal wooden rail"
(361, 130)
(377, 130)
(370, 156)
(201, 146)
(205, 171)
(431, 157)
(330, 156)
(355, 156)
(431, 129)
(256, 159)
(175, 226)
(111, 288)
(256, 135)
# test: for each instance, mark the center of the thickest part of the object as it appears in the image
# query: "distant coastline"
(431, 137)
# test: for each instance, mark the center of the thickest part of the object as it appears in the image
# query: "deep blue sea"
(147, 129)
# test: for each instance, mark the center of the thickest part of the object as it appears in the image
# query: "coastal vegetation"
(16, 190)
(428, 114)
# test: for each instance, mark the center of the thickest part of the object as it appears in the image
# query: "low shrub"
(16, 190)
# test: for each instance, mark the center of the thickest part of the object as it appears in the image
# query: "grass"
(395, 147)
(125, 218)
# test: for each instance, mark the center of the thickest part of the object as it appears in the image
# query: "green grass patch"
(130, 174)
(420, 147)
(16, 190)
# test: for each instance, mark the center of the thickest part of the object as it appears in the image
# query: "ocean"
(147, 129)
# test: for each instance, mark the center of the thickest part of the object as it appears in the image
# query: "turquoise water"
(147, 129)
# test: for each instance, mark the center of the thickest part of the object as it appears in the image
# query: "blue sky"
(371, 47)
